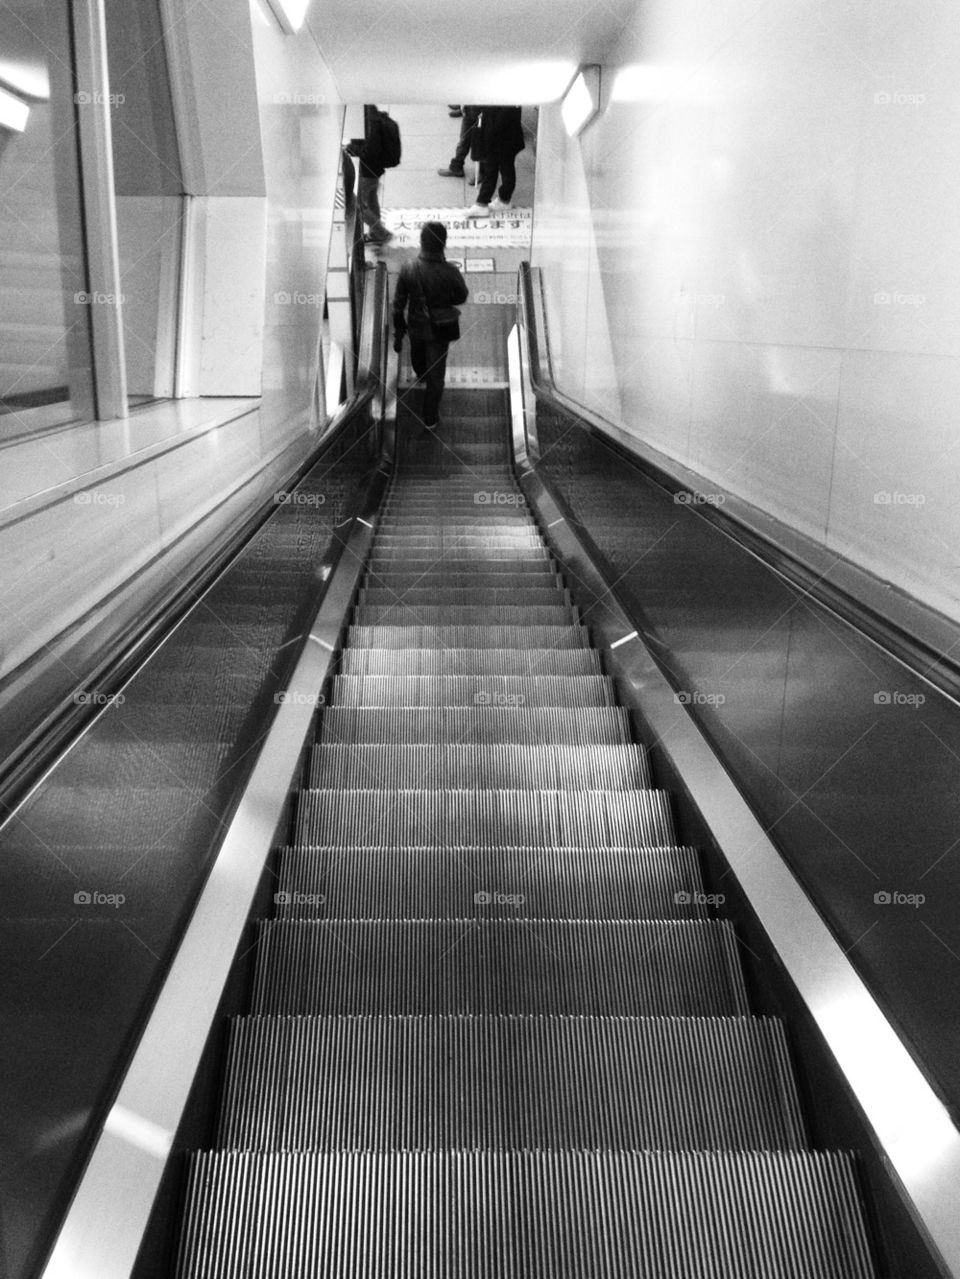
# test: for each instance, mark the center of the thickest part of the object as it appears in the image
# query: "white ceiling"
(518, 51)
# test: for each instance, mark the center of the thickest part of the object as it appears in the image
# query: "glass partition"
(149, 191)
(45, 349)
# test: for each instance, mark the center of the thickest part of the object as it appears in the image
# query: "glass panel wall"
(45, 349)
(149, 191)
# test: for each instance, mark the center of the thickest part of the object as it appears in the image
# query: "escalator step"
(488, 883)
(450, 767)
(524, 1215)
(594, 968)
(542, 578)
(482, 556)
(518, 637)
(487, 597)
(509, 1083)
(472, 690)
(485, 725)
(456, 615)
(540, 819)
(470, 661)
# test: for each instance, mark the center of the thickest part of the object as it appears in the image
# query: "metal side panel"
(103, 1230)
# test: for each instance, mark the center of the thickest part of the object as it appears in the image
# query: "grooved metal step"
(488, 883)
(402, 614)
(470, 661)
(587, 1083)
(533, 726)
(487, 597)
(636, 967)
(542, 579)
(406, 765)
(566, 691)
(524, 1215)
(542, 818)
(456, 567)
(449, 636)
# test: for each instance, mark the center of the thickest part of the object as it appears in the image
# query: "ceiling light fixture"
(581, 102)
(13, 112)
(290, 14)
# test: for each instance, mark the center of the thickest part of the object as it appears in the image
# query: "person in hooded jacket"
(430, 283)
(497, 141)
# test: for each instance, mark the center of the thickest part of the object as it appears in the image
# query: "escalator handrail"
(102, 1227)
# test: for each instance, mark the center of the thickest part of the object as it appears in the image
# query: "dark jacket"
(371, 154)
(500, 132)
(431, 279)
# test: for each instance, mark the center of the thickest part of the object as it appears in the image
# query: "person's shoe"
(497, 203)
(478, 211)
(430, 426)
(455, 112)
(452, 171)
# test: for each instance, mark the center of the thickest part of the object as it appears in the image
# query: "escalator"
(496, 1025)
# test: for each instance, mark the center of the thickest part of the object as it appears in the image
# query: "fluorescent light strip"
(13, 112)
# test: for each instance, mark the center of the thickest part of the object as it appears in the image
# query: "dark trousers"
(505, 166)
(429, 360)
(470, 117)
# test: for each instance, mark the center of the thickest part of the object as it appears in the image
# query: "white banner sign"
(508, 228)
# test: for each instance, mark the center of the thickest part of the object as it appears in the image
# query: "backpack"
(389, 141)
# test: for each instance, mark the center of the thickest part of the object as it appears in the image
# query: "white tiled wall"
(771, 202)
